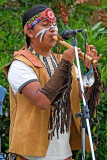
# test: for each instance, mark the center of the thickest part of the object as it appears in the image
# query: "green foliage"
(12, 38)
(95, 35)
(101, 128)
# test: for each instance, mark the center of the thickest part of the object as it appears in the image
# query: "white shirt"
(20, 75)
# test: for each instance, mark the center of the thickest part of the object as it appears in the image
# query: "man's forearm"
(57, 81)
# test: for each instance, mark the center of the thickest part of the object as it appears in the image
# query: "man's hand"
(69, 55)
(90, 51)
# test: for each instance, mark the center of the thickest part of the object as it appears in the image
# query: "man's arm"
(43, 97)
(32, 92)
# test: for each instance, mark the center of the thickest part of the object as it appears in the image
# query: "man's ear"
(30, 33)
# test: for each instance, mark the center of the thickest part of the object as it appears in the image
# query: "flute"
(67, 45)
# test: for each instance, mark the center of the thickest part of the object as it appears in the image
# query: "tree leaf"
(96, 26)
(2, 2)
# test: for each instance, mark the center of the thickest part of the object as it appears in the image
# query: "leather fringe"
(60, 113)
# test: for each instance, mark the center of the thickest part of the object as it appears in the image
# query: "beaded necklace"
(50, 63)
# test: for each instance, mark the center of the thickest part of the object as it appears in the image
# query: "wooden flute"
(67, 45)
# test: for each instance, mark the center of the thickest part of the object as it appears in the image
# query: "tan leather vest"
(29, 124)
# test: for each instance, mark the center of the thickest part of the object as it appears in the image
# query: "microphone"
(66, 34)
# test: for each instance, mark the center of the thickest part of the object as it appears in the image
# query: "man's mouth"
(54, 35)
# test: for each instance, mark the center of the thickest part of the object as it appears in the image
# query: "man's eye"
(45, 24)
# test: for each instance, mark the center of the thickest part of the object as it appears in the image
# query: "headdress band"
(48, 14)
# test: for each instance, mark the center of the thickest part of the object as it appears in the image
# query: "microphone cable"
(84, 51)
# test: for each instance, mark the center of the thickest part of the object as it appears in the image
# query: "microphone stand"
(85, 111)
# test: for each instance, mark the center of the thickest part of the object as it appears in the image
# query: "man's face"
(45, 30)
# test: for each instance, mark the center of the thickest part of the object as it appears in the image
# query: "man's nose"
(52, 29)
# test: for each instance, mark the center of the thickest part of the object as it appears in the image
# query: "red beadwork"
(50, 15)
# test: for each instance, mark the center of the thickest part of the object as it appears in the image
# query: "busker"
(44, 93)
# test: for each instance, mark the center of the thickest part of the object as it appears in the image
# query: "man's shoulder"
(27, 57)
(18, 64)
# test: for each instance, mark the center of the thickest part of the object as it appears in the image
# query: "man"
(40, 85)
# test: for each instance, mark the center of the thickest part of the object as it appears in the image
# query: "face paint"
(43, 31)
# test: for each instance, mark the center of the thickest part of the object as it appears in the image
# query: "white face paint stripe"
(56, 28)
(43, 31)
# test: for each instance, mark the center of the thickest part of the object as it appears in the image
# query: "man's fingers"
(94, 52)
(92, 47)
(91, 54)
(99, 57)
(79, 50)
(87, 48)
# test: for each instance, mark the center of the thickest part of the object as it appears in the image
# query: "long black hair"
(29, 14)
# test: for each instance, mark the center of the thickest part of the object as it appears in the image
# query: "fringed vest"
(29, 124)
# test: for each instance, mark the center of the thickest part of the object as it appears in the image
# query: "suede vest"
(28, 124)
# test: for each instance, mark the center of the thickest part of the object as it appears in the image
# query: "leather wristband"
(57, 81)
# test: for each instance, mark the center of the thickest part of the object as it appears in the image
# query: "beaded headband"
(48, 14)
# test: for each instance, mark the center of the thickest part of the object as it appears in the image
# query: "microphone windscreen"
(64, 35)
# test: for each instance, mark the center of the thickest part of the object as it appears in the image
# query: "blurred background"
(91, 16)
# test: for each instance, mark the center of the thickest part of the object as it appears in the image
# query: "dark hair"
(29, 14)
